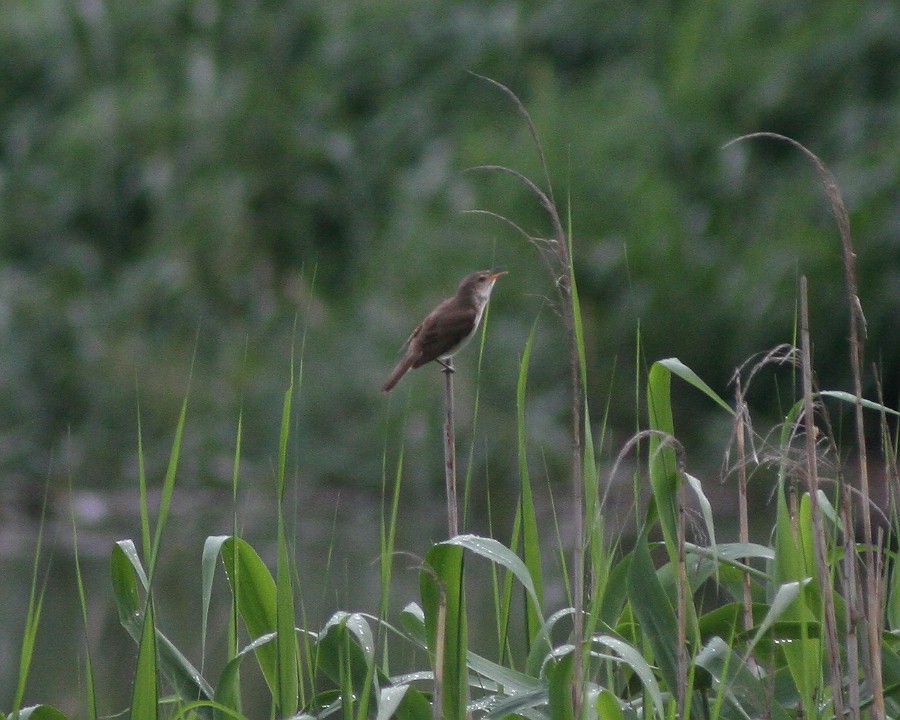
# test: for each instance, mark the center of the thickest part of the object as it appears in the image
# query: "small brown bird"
(448, 326)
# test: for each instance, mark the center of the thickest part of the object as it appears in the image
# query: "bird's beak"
(493, 276)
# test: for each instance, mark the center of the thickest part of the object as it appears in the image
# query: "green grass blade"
(168, 489)
(145, 691)
(32, 618)
(284, 437)
(82, 602)
(794, 565)
(654, 612)
(851, 399)
(146, 542)
(662, 466)
(286, 638)
(510, 680)
(531, 549)
(287, 690)
(388, 535)
(233, 692)
(576, 310)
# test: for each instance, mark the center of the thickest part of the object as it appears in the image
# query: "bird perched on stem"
(448, 327)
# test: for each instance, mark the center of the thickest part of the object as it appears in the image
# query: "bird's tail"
(402, 367)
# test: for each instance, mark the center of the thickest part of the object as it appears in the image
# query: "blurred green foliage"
(181, 179)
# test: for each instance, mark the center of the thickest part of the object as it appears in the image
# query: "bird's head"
(478, 285)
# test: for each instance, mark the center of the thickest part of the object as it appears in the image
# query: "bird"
(448, 327)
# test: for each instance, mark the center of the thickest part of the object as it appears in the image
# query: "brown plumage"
(448, 326)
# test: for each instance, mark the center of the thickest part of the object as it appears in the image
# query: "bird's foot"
(448, 365)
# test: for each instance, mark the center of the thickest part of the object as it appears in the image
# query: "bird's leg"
(448, 364)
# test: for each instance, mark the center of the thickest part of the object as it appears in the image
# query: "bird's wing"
(441, 332)
(415, 332)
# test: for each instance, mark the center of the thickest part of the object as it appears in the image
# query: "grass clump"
(679, 624)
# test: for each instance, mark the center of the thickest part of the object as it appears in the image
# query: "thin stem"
(744, 526)
(682, 600)
(450, 451)
(834, 655)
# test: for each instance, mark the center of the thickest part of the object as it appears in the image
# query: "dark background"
(190, 192)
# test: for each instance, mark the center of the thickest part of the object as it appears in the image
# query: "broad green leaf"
(389, 700)
(607, 706)
(676, 367)
(346, 644)
(521, 704)
(207, 708)
(497, 552)
(413, 619)
(559, 674)
(616, 592)
(443, 602)
(784, 598)
(705, 507)
(741, 688)
(537, 657)
(404, 702)
(727, 620)
(729, 552)
(893, 602)
(228, 689)
(631, 657)
(127, 575)
(789, 563)
(512, 681)
(851, 398)
(125, 569)
(38, 712)
(254, 595)
(653, 611)
(337, 629)
(211, 549)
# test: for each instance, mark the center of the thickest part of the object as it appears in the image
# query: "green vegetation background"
(174, 174)
(181, 179)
